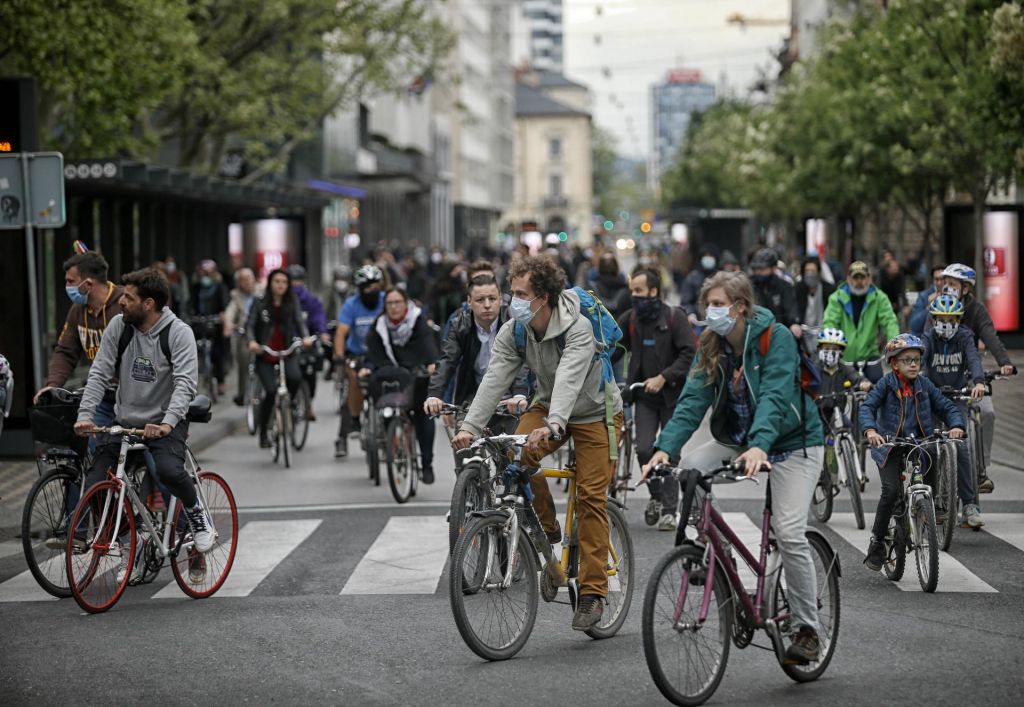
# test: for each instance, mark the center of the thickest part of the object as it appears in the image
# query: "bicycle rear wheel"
(621, 575)
(823, 497)
(399, 461)
(44, 528)
(99, 571)
(471, 493)
(895, 550)
(201, 575)
(494, 621)
(301, 405)
(686, 658)
(926, 545)
(977, 450)
(370, 428)
(946, 500)
(848, 458)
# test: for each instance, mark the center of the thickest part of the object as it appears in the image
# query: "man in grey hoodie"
(560, 350)
(154, 392)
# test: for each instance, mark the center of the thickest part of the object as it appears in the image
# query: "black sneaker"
(340, 447)
(805, 648)
(876, 556)
(588, 612)
(427, 475)
(986, 485)
(238, 400)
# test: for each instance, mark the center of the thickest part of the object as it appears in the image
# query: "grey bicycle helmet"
(367, 275)
(296, 272)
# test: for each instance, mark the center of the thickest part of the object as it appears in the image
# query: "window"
(555, 185)
(555, 148)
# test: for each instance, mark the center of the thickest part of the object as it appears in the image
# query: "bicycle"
(253, 391)
(399, 440)
(492, 581)
(873, 371)
(695, 604)
(842, 449)
(102, 553)
(284, 430)
(946, 493)
(977, 437)
(206, 327)
(370, 438)
(623, 478)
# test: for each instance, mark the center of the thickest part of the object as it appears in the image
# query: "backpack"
(607, 334)
(807, 373)
(128, 333)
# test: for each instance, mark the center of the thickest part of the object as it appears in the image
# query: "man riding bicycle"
(560, 350)
(865, 315)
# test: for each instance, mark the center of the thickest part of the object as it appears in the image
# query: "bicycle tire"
(666, 583)
(946, 493)
(623, 468)
(895, 562)
(45, 519)
(373, 448)
(219, 502)
(285, 432)
(823, 498)
(625, 572)
(470, 493)
(926, 546)
(485, 536)
(848, 456)
(300, 407)
(252, 403)
(92, 573)
(399, 463)
(977, 450)
(826, 571)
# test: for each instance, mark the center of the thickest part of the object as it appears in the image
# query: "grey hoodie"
(151, 391)
(568, 381)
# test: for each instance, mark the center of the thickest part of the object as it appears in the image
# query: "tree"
(603, 156)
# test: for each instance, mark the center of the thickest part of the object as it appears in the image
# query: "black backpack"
(128, 332)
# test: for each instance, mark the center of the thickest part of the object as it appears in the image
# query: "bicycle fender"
(616, 502)
(833, 557)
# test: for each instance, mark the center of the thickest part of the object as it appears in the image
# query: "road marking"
(406, 558)
(356, 507)
(24, 587)
(1008, 527)
(953, 575)
(262, 546)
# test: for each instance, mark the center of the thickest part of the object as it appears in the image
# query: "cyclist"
(689, 294)
(210, 298)
(863, 313)
(660, 341)
(402, 338)
(240, 303)
(155, 389)
(354, 323)
(835, 380)
(570, 397)
(275, 320)
(466, 349)
(755, 401)
(772, 291)
(812, 294)
(951, 359)
(316, 324)
(919, 314)
(959, 280)
(902, 404)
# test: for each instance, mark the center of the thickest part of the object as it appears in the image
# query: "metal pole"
(38, 362)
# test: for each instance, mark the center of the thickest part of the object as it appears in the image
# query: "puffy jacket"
(876, 317)
(782, 422)
(952, 362)
(885, 410)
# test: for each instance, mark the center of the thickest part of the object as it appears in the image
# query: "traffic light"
(645, 227)
(609, 225)
(563, 236)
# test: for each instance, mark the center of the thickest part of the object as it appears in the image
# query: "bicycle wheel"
(946, 495)
(926, 545)
(977, 450)
(471, 493)
(44, 528)
(253, 399)
(826, 573)
(372, 447)
(276, 423)
(284, 430)
(495, 622)
(686, 658)
(301, 405)
(848, 458)
(621, 583)
(400, 471)
(201, 575)
(98, 572)
(823, 498)
(623, 469)
(895, 550)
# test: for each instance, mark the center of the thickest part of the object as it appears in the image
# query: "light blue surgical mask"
(719, 321)
(76, 295)
(520, 310)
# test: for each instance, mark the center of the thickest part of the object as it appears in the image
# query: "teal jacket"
(780, 423)
(877, 316)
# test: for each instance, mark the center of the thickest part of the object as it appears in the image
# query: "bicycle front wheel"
(201, 575)
(686, 656)
(98, 569)
(399, 461)
(977, 450)
(621, 575)
(44, 528)
(623, 469)
(946, 495)
(848, 458)
(823, 497)
(926, 545)
(895, 550)
(301, 405)
(370, 428)
(471, 493)
(494, 621)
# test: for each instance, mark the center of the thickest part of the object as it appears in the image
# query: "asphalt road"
(310, 613)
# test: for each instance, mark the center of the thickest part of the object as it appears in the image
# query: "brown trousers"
(594, 470)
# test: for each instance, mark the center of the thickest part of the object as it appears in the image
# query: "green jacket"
(781, 421)
(877, 316)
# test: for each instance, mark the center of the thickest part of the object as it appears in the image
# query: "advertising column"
(1002, 279)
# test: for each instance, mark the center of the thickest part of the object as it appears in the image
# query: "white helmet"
(959, 271)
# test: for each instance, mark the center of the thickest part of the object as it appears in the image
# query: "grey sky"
(641, 39)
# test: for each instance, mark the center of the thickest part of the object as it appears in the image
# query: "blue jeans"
(964, 470)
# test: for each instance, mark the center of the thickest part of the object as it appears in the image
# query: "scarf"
(397, 334)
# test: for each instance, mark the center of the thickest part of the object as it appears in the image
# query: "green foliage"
(603, 155)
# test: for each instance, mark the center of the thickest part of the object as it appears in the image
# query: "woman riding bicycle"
(755, 396)
(401, 338)
(275, 320)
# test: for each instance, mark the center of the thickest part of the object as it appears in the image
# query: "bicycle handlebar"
(282, 354)
(118, 430)
(662, 470)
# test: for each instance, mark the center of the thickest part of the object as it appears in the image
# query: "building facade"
(539, 34)
(673, 103)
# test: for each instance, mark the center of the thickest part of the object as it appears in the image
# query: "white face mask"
(719, 320)
(830, 357)
(946, 329)
(950, 290)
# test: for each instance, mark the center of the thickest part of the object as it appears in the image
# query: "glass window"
(555, 185)
(555, 148)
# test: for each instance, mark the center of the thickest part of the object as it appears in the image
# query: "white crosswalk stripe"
(406, 558)
(1008, 527)
(24, 587)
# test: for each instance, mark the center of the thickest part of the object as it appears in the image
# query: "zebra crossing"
(409, 556)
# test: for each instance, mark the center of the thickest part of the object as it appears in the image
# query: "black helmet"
(296, 272)
(764, 258)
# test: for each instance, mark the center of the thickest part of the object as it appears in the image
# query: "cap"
(858, 267)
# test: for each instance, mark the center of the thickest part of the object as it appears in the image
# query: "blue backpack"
(607, 334)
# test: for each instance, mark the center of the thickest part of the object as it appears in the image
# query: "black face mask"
(370, 300)
(761, 279)
(647, 308)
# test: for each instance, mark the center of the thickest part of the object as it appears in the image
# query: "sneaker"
(196, 567)
(876, 556)
(667, 522)
(588, 612)
(201, 535)
(986, 485)
(427, 475)
(340, 447)
(804, 649)
(972, 516)
(652, 514)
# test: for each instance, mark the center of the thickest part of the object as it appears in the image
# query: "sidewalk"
(17, 476)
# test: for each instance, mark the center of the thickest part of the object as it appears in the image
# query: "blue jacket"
(953, 362)
(919, 315)
(885, 410)
(316, 317)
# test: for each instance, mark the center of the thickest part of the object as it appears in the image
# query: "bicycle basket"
(54, 425)
(392, 386)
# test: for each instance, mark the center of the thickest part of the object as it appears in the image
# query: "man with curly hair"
(560, 350)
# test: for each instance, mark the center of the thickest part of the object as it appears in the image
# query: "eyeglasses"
(908, 361)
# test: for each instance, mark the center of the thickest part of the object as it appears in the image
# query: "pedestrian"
(240, 300)
(812, 294)
(890, 281)
(210, 299)
(772, 291)
(311, 360)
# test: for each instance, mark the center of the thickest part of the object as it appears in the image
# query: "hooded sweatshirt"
(81, 336)
(152, 390)
(568, 378)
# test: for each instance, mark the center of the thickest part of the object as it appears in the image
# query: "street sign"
(45, 196)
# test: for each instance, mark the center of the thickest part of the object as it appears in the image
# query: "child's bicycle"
(492, 581)
(840, 454)
(695, 604)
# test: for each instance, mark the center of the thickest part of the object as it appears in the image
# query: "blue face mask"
(519, 309)
(76, 296)
(719, 320)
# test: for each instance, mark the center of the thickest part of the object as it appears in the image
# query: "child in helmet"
(836, 378)
(902, 404)
(951, 359)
